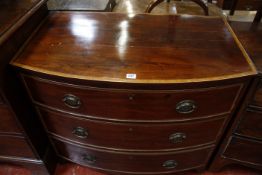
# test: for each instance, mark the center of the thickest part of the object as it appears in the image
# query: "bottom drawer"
(13, 146)
(244, 150)
(138, 163)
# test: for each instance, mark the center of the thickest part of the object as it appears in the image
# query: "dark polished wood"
(23, 141)
(257, 100)
(8, 123)
(240, 151)
(134, 137)
(12, 11)
(210, 50)
(251, 124)
(242, 144)
(22, 167)
(155, 3)
(96, 72)
(134, 105)
(130, 163)
(250, 36)
(244, 150)
(15, 146)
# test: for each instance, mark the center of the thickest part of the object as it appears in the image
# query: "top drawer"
(134, 105)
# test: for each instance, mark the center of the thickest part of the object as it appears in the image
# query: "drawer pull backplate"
(186, 107)
(72, 101)
(177, 137)
(170, 164)
(80, 132)
(89, 159)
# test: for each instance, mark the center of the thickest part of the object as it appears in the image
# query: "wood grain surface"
(12, 11)
(250, 35)
(153, 49)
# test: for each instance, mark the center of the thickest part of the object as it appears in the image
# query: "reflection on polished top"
(13, 10)
(135, 48)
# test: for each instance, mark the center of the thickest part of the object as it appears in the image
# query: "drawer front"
(135, 105)
(251, 124)
(128, 162)
(7, 122)
(244, 150)
(15, 147)
(248, 4)
(257, 100)
(149, 136)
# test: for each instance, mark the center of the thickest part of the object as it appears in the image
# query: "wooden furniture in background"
(233, 5)
(120, 99)
(239, 4)
(258, 14)
(155, 3)
(22, 139)
(243, 143)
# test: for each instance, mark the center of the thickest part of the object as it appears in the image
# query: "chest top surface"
(135, 48)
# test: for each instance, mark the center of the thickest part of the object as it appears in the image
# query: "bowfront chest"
(134, 94)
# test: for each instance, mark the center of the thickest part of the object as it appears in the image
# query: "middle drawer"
(132, 136)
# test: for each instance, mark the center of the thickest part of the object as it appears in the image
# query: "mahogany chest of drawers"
(136, 94)
(243, 143)
(22, 139)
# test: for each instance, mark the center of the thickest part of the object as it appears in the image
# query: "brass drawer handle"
(80, 132)
(177, 137)
(170, 164)
(186, 107)
(89, 159)
(72, 101)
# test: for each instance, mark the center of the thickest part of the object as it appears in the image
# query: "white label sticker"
(131, 76)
